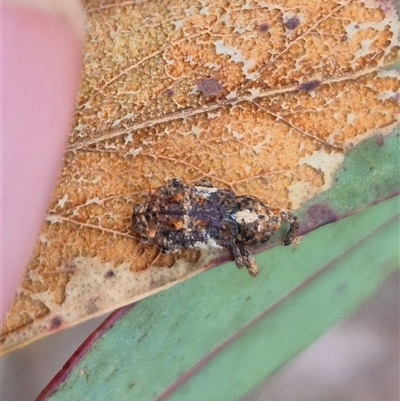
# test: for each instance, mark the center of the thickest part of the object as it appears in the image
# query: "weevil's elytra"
(179, 216)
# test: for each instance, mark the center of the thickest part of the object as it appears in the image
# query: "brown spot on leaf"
(56, 322)
(309, 86)
(319, 215)
(292, 23)
(210, 87)
(109, 274)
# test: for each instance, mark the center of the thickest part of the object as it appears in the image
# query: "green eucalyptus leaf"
(217, 336)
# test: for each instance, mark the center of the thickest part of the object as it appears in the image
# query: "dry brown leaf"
(264, 98)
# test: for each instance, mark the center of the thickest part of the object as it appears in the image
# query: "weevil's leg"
(156, 258)
(237, 255)
(244, 258)
(249, 261)
(294, 222)
(141, 248)
(164, 259)
(203, 183)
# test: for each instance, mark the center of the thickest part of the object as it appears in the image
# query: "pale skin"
(39, 90)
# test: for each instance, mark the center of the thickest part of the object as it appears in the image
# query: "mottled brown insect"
(178, 216)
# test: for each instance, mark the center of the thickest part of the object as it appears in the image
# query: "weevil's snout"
(256, 222)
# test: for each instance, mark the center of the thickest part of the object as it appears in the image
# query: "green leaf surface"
(218, 335)
(370, 173)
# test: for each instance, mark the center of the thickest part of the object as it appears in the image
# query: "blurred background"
(356, 361)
